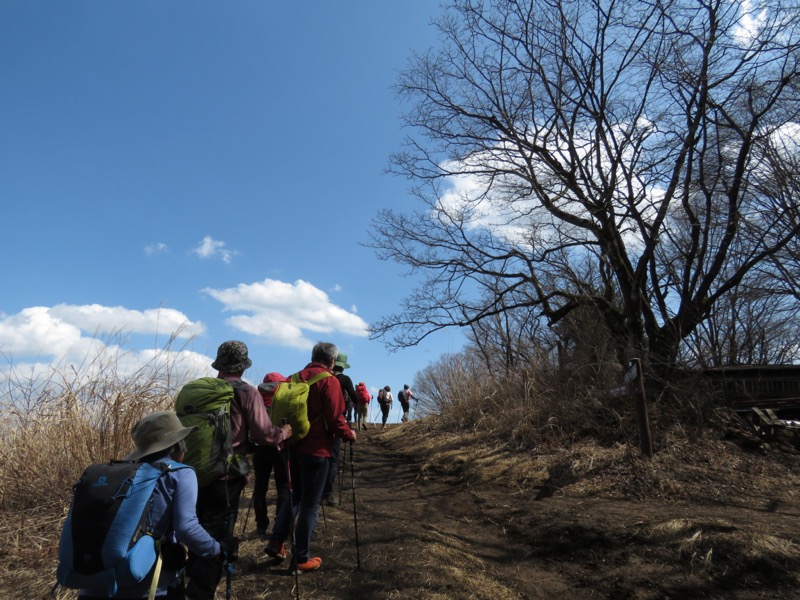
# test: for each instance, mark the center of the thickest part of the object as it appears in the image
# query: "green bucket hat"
(232, 357)
(341, 361)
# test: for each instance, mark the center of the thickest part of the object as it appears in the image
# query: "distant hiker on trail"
(405, 396)
(218, 502)
(159, 437)
(349, 393)
(385, 400)
(362, 405)
(309, 459)
(266, 460)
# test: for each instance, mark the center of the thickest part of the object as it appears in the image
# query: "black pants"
(217, 509)
(348, 411)
(266, 460)
(385, 411)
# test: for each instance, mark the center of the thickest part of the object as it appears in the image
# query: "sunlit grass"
(53, 427)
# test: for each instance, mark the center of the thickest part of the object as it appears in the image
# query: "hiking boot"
(331, 501)
(275, 551)
(312, 564)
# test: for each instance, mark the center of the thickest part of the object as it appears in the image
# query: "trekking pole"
(291, 522)
(355, 518)
(340, 467)
(247, 514)
(228, 576)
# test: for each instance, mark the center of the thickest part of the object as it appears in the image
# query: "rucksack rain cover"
(104, 543)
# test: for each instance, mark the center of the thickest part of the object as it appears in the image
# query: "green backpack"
(206, 404)
(290, 402)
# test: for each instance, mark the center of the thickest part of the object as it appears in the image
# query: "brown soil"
(439, 516)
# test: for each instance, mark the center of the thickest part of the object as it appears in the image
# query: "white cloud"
(41, 341)
(210, 248)
(158, 248)
(284, 313)
(750, 24)
(337, 288)
(108, 319)
(70, 331)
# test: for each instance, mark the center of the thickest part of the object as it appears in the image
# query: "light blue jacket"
(174, 512)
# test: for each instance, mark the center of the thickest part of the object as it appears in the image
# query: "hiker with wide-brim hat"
(218, 501)
(159, 439)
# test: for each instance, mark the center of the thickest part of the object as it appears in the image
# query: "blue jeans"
(308, 477)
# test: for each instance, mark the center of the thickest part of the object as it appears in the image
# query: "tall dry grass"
(546, 404)
(52, 428)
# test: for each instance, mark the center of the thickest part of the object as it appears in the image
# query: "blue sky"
(206, 168)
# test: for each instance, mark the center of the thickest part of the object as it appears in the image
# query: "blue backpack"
(108, 540)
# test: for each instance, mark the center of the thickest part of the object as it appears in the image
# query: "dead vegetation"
(572, 500)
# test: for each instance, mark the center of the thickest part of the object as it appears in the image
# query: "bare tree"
(631, 157)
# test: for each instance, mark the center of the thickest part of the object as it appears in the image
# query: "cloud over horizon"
(40, 339)
(283, 313)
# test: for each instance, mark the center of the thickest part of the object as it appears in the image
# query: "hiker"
(349, 393)
(159, 437)
(268, 459)
(218, 502)
(405, 396)
(362, 405)
(385, 400)
(309, 460)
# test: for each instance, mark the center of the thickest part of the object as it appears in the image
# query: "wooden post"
(634, 386)
(642, 419)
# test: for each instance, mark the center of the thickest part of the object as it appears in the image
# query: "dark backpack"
(401, 395)
(383, 398)
(206, 404)
(108, 541)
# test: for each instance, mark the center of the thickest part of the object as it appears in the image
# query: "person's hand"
(287, 430)
(229, 549)
(355, 435)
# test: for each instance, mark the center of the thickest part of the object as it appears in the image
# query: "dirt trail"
(429, 534)
(417, 539)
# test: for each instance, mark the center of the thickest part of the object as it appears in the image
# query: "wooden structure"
(766, 395)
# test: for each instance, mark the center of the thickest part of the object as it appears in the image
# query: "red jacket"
(324, 398)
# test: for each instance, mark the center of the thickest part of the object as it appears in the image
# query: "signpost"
(633, 385)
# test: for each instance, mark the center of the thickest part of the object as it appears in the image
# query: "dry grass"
(519, 432)
(52, 429)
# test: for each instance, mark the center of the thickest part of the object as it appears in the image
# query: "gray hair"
(324, 353)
